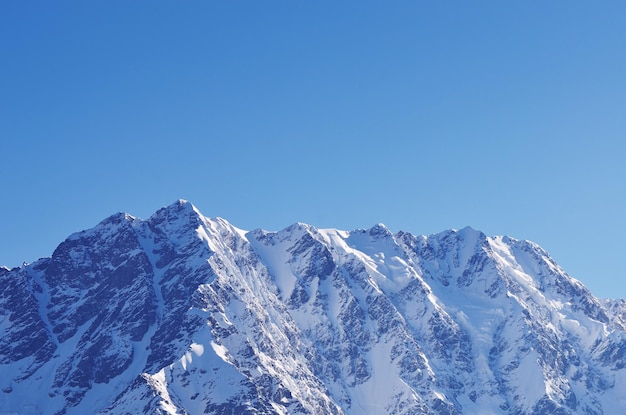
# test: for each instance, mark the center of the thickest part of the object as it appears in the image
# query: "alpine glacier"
(184, 314)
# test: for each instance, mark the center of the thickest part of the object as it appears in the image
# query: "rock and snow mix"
(185, 314)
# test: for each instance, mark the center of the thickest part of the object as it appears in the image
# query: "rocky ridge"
(184, 314)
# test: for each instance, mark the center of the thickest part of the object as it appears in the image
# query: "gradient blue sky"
(509, 117)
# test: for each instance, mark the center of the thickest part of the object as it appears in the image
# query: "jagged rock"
(185, 314)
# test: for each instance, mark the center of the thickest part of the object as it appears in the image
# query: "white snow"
(257, 273)
(274, 255)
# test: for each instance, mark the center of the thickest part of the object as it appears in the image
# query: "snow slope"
(184, 314)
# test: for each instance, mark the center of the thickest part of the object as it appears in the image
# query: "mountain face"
(183, 314)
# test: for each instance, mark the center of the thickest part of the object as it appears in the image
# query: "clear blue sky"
(509, 117)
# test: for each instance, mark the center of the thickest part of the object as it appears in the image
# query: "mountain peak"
(298, 229)
(467, 229)
(185, 314)
(180, 210)
(117, 218)
(470, 233)
(379, 230)
(182, 205)
(379, 227)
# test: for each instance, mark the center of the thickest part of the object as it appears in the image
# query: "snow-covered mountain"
(183, 314)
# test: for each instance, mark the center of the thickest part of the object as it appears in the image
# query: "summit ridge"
(181, 313)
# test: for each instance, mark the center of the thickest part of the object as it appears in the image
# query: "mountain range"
(185, 314)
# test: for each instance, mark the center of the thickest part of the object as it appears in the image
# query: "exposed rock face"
(185, 314)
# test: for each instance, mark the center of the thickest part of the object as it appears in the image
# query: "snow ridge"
(181, 313)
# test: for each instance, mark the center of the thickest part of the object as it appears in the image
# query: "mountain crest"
(181, 313)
